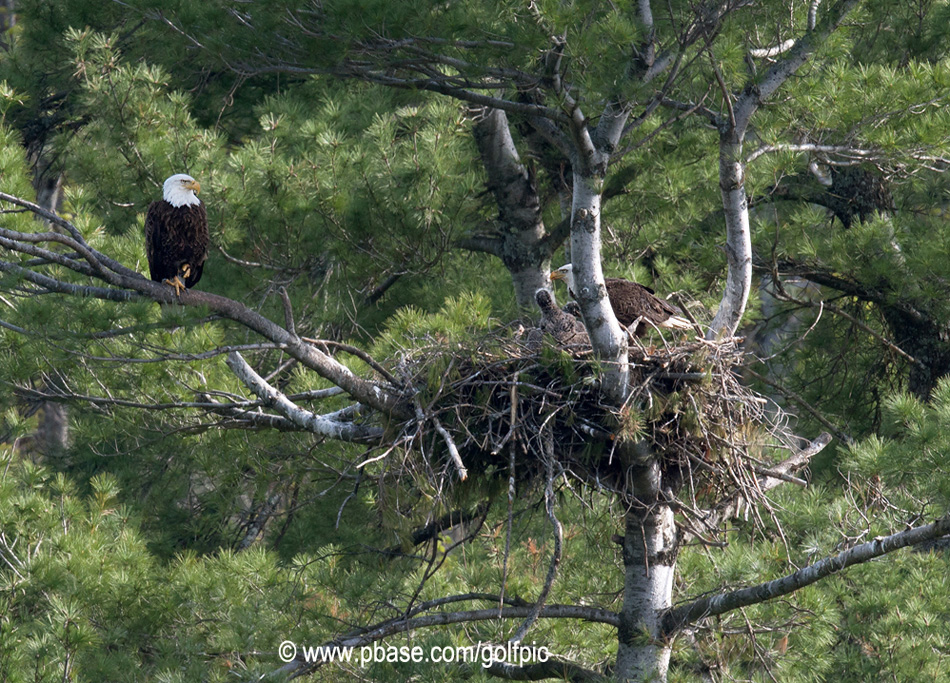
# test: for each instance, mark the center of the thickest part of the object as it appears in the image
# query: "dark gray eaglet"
(176, 234)
(632, 302)
(566, 329)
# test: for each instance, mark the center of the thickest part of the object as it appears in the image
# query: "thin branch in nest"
(453, 449)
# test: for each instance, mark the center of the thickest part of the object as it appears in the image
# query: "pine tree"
(403, 466)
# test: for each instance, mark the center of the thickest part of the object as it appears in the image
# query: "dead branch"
(329, 425)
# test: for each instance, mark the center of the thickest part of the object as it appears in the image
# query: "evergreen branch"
(465, 94)
(382, 288)
(24, 242)
(796, 56)
(359, 353)
(782, 295)
(253, 264)
(435, 528)
(53, 285)
(679, 618)
(855, 288)
(801, 402)
(32, 394)
(323, 425)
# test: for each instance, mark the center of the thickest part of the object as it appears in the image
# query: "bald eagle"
(176, 234)
(566, 329)
(632, 303)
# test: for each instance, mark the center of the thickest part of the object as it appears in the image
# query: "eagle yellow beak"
(192, 185)
(556, 275)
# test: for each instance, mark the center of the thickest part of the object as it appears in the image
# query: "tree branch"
(770, 479)
(128, 285)
(323, 425)
(680, 617)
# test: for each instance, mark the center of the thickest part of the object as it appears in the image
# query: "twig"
(788, 393)
(453, 450)
(359, 353)
(288, 311)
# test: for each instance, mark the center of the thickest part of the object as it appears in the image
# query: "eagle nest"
(504, 406)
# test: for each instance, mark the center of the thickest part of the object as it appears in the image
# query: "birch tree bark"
(520, 241)
(732, 132)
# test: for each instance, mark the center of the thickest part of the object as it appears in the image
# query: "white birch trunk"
(649, 558)
(607, 338)
(735, 205)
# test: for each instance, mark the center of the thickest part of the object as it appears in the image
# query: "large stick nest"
(483, 405)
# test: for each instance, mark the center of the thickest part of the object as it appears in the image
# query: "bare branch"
(288, 311)
(842, 150)
(324, 425)
(774, 51)
(55, 219)
(547, 441)
(453, 449)
(679, 618)
(774, 476)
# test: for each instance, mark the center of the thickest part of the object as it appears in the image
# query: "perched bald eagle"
(176, 234)
(632, 303)
(566, 329)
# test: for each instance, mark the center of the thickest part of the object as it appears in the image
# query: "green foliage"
(124, 552)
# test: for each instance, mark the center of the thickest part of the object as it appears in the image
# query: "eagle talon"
(185, 271)
(177, 284)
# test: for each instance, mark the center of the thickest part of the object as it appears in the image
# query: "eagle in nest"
(565, 328)
(176, 234)
(632, 303)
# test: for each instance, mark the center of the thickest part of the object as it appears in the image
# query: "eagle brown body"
(176, 237)
(632, 302)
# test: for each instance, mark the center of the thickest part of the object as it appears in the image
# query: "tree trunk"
(607, 338)
(735, 204)
(649, 559)
(520, 239)
(52, 429)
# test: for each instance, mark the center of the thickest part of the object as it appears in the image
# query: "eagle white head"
(566, 273)
(181, 190)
